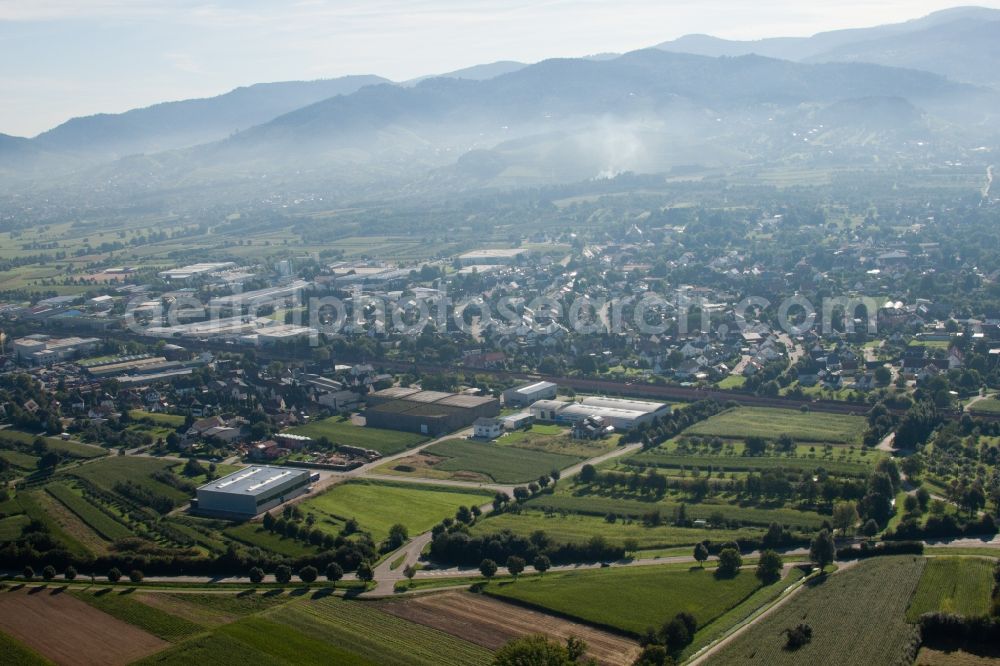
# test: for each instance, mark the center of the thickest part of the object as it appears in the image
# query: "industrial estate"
(687, 355)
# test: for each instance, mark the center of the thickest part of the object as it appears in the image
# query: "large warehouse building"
(523, 396)
(426, 412)
(621, 413)
(251, 491)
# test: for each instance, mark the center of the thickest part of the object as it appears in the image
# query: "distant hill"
(476, 72)
(559, 119)
(961, 43)
(185, 123)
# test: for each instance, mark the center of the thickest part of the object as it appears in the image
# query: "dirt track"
(70, 632)
(491, 623)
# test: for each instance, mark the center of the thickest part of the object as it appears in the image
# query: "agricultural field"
(338, 431)
(24, 461)
(63, 526)
(254, 534)
(105, 474)
(377, 506)
(577, 528)
(960, 585)
(986, 406)
(10, 527)
(78, 633)
(469, 460)
(593, 501)
(16, 653)
(376, 636)
(856, 463)
(17, 439)
(630, 599)
(120, 604)
(95, 518)
(770, 423)
(554, 439)
(172, 421)
(857, 616)
(489, 622)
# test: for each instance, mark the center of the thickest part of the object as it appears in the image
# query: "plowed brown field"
(70, 632)
(491, 623)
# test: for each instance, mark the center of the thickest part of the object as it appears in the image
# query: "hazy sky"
(64, 58)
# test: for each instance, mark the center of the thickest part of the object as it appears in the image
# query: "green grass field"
(253, 534)
(737, 614)
(987, 406)
(19, 459)
(16, 653)
(857, 617)
(631, 599)
(378, 506)
(595, 504)
(767, 422)
(706, 463)
(100, 522)
(503, 464)
(377, 636)
(10, 527)
(66, 447)
(32, 504)
(386, 442)
(172, 421)
(576, 528)
(155, 621)
(960, 585)
(106, 473)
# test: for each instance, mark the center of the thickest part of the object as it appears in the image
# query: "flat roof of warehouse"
(252, 480)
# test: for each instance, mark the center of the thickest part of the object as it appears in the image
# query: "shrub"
(135, 576)
(798, 636)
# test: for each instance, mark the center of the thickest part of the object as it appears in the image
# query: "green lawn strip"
(20, 460)
(737, 614)
(857, 616)
(172, 421)
(11, 526)
(577, 528)
(287, 644)
(153, 620)
(960, 585)
(70, 448)
(99, 521)
(384, 639)
(235, 604)
(386, 442)
(986, 406)
(985, 551)
(378, 505)
(631, 599)
(504, 464)
(254, 534)
(215, 649)
(15, 653)
(106, 473)
(769, 422)
(36, 511)
(752, 463)
(600, 505)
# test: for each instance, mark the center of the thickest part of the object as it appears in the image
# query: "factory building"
(45, 350)
(432, 413)
(619, 413)
(251, 491)
(523, 396)
(194, 270)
